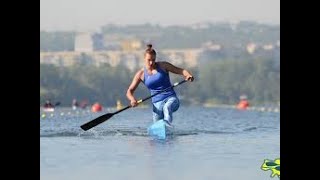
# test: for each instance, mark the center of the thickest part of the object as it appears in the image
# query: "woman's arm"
(134, 84)
(177, 70)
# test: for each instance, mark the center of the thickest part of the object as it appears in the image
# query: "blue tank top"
(157, 82)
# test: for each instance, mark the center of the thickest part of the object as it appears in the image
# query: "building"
(89, 42)
(83, 42)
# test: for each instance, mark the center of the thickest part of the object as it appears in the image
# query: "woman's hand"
(134, 103)
(189, 78)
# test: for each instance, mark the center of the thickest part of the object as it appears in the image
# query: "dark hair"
(150, 50)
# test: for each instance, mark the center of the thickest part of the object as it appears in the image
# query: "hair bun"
(149, 46)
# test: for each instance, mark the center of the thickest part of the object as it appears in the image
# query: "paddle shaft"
(142, 100)
(107, 116)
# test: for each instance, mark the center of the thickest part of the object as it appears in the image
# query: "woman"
(155, 76)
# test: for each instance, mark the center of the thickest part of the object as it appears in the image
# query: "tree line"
(216, 82)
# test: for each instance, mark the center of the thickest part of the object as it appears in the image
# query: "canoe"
(160, 130)
(48, 109)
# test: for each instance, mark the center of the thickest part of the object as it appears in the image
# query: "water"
(208, 143)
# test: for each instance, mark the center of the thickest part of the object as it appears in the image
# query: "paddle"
(57, 104)
(107, 116)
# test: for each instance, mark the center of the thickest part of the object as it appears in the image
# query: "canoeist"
(48, 106)
(155, 76)
(75, 104)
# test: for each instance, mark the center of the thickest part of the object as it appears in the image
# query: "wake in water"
(131, 132)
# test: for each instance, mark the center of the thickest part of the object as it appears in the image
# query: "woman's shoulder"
(162, 62)
(140, 73)
(163, 65)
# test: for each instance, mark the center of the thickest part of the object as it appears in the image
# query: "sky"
(90, 15)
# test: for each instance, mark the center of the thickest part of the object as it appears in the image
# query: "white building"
(83, 42)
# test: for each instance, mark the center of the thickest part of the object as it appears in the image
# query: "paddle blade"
(96, 121)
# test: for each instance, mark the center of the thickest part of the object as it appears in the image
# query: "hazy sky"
(92, 14)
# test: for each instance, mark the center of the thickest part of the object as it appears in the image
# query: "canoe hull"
(48, 109)
(160, 130)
